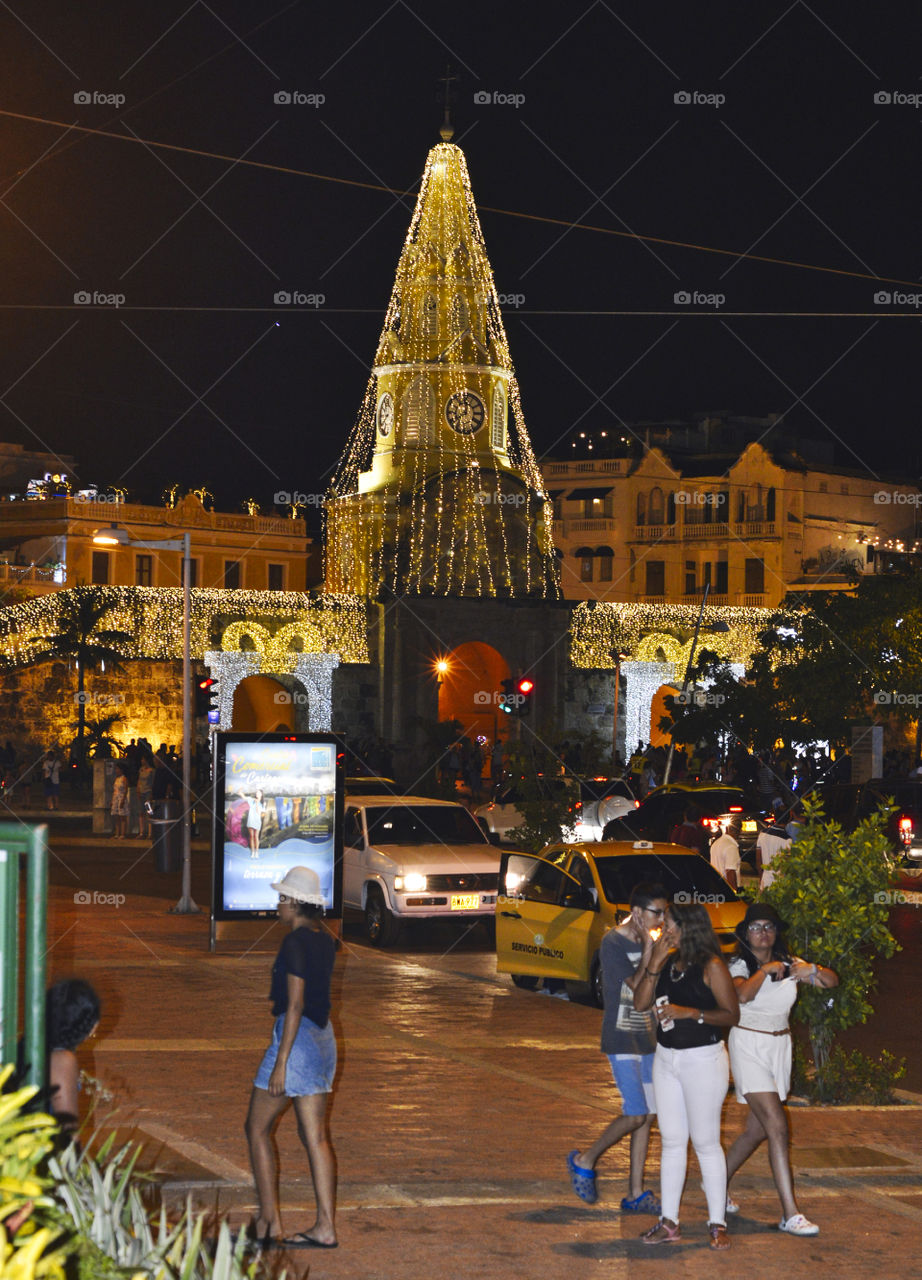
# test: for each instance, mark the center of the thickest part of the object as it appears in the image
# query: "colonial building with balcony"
(752, 525)
(48, 544)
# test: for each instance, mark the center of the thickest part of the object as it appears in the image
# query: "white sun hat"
(302, 884)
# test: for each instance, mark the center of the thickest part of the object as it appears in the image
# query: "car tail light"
(735, 808)
(906, 830)
(636, 804)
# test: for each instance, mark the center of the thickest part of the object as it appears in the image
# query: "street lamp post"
(120, 537)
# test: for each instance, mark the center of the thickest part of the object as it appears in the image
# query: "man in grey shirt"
(629, 1040)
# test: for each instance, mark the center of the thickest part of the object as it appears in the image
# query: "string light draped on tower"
(438, 491)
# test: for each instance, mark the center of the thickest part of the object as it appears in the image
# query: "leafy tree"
(846, 657)
(82, 638)
(832, 889)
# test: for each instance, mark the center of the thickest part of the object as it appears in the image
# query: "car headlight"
(412, 883)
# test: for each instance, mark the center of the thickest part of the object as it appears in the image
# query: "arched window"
(670, 509)
(459, 315)
(429, 321)
(656, 505)
(498, 420)
(417, 410)
(641, 508)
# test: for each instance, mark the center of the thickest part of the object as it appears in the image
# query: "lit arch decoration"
(279, 650)
(258, 635)
(657, 640)
(274, 655)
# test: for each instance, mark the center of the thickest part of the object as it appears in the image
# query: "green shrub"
(831, 889)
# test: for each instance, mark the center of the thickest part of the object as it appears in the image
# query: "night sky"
(798, 163)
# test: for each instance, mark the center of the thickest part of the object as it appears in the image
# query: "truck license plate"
(465, 901)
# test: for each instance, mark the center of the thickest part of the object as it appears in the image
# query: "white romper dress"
(762, 1063)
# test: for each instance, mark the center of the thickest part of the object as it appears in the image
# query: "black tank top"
(689, 989)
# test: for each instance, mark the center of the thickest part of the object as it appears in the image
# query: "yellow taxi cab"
(553, 908)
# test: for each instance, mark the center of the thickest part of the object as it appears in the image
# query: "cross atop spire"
(447, 130)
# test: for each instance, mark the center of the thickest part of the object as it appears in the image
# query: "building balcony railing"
(753, 601)
(31, 573)
(602, 524)
(653, 532)
(755, 528)
(136, 513)
(604, 466)
(698, 529)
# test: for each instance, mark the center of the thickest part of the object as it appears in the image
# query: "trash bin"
(166, 837)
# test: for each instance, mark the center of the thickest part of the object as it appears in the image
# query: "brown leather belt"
(760, 1032)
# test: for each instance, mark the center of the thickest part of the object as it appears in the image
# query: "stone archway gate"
(657, 640)
(295, 649)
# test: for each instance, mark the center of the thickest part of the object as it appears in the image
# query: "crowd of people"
(673, 1008)
(143, 777)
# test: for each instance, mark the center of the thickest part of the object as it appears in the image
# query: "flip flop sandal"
(304, 1241)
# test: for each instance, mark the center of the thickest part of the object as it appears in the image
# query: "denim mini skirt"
(311, 1063)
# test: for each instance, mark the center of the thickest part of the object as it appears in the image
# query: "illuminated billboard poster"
(278, 805)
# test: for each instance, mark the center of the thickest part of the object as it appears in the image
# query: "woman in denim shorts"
(299, 1064)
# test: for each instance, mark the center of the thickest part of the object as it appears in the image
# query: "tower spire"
(438, 491)
(447, 130)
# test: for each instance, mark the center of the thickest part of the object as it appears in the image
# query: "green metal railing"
(17, 839)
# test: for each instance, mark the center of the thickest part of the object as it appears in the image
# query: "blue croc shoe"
(583, 1180)
(646, 1202)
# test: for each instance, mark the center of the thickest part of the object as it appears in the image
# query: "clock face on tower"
(385, 414)
(464, 412)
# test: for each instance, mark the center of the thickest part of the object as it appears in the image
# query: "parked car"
(849, 803)
(601, 801)
(553, 909)
(591, 802)
(369, 785)
(664, 807)
(503, 815)
(412, 858)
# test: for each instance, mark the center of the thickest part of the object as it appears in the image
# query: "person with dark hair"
(689, 832)
(694, 998)
(725, 852)
(770, 842)
(629, 1040)
(119, 806)
(766, 977)
(299, 1064)
(71, 1016)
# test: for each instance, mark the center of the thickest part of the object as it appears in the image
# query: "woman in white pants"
(690, 1070)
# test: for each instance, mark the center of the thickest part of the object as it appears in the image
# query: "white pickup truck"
(412, 858)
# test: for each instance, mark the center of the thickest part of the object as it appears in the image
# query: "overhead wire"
(509, 213)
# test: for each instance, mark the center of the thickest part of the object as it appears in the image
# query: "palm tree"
(81, 638)
(100, 740)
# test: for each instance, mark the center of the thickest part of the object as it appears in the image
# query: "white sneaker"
(798, 1225)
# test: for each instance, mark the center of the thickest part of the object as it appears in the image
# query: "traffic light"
(524, 688)
(205, 690)
(506, 698)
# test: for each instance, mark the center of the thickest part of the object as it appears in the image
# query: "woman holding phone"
(691, 989)
(766, 977)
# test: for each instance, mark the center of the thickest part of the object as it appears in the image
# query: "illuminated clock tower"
(438, 492)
